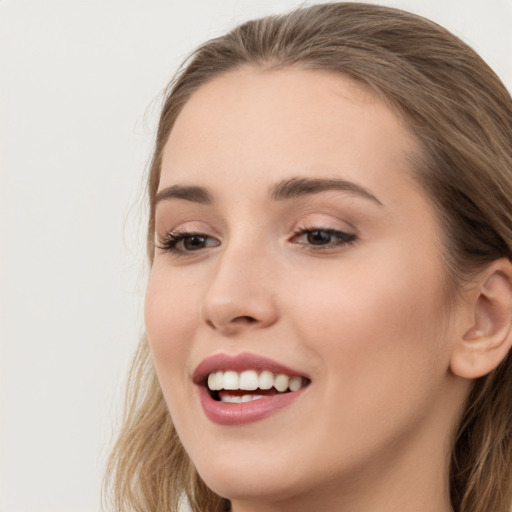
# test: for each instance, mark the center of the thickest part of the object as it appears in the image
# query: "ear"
(487, 341)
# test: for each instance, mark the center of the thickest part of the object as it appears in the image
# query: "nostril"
(244, 320)
(239, 320)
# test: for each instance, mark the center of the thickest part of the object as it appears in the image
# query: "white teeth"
(295, 383)
(216, 381)
(266, 380)
(232, 399)
(219, 380)
(249, 380)
(231, 380)
(281, 382)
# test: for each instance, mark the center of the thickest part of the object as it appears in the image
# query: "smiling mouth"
(240, 387)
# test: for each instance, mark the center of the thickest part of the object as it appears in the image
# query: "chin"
(249, 485)
(260, 473)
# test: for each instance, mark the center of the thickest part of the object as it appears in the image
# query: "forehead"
(264, 125)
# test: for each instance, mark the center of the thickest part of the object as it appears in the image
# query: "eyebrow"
(286, 189)
(297, 187)
(187, 193)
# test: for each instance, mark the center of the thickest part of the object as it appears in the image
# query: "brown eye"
(182, 243)
(323, 238)
(194, 242)
(319, 237)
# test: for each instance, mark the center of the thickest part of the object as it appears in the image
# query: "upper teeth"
(250, 380)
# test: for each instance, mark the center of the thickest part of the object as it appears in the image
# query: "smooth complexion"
(342, 282)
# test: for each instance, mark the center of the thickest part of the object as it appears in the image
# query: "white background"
(79, 88)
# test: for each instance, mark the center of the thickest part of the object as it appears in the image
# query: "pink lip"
(247, 412)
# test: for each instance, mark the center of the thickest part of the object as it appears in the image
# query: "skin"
(367, 321)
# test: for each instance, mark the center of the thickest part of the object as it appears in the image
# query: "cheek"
(170, 317)
(378, 335)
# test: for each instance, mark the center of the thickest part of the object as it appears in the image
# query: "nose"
(241, 295)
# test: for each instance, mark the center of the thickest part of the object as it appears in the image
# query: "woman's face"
(292, 241)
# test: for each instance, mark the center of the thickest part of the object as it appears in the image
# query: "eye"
(183, 242)
(323, 238)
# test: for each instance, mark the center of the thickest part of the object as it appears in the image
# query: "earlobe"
(487, 341)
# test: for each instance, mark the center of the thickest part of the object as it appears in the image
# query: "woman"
(329, 306)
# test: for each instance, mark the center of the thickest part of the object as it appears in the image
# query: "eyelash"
(345, 238)
(171, 240)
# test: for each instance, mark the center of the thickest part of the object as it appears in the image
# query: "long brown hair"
(461, 115)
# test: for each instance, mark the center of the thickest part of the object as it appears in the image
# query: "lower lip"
(224, 413)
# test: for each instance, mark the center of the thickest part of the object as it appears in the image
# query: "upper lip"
(239, 363)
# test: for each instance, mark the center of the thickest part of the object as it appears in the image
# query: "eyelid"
(171, 236)
(184, 226)
(345, 237)
(170, 241)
